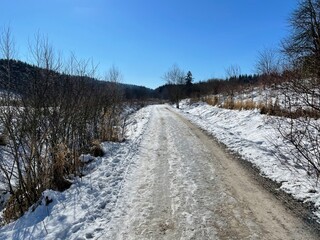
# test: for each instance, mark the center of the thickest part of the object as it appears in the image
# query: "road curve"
(184, 186)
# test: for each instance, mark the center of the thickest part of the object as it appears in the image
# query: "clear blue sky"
(144, 38)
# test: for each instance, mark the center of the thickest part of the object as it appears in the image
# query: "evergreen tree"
(189, 79)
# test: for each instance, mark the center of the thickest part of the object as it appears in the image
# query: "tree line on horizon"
(21, 72)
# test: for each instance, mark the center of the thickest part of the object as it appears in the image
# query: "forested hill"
(22, 74)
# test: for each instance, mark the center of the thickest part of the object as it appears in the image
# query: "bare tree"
(267, 62)
(7, 113)
(46, 128)
(112, 107)
(268, 69)
(303, 45)
(174, 75)
(233, 71)
(302, 90)
(7, 44)
(175, 78)
(302, 50)
(8, 52)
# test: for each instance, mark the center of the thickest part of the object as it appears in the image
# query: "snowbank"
(252, 135)
(83, 211)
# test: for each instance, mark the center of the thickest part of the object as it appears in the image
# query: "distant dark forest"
(227, 86)
(22, 74)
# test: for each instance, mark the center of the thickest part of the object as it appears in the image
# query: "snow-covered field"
(253, 135)
(83, 211)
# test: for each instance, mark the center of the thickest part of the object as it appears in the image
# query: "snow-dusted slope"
(252, 135)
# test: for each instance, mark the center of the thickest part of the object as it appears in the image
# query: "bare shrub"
(3, 140)
(263, 107)
(233, 71)
(302, 134)
(228, 103)
(244, 105)
(249, 104)
(15, 207)
(96, 150)
(238, 105)
(302, 90)
(212, 100)
(196, 99)
(50, 125)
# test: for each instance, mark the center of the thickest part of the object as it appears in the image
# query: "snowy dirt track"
(182, 185)
(168, 180)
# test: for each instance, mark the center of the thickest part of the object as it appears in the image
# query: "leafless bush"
(53, 123)
(112, 109)
(249, 104)
(212, 100)
(233, 71)
(238, 105)
(228, 103)
(302, 134)
(96, 149)
(268, 62)
(302, 90)
(3, 140)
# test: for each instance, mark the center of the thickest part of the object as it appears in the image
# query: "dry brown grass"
(15, 207)
(249, 104)
(63, 165)
(238, 105)
(212, 100)
(228, 103)
(269, 108)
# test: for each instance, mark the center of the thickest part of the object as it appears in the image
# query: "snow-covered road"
(184, 186)
(168, 180)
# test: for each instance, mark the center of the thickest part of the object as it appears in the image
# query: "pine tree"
(189, 79)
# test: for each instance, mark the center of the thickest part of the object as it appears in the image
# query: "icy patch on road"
(83, 211)
(249, 134)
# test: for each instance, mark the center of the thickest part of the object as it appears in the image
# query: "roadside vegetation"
(52, 112)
